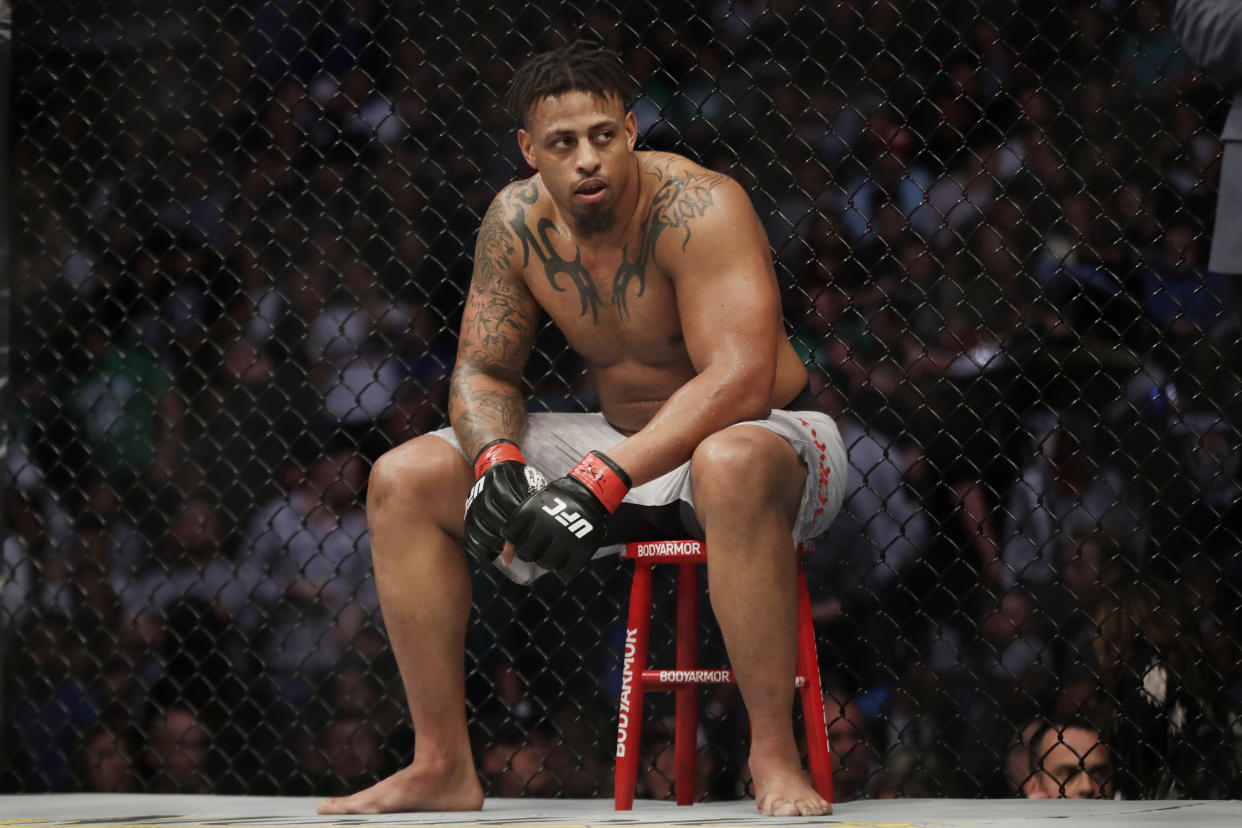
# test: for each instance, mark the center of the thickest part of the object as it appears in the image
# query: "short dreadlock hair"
(580, 66)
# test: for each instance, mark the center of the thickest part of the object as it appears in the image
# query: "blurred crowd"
(241, 246)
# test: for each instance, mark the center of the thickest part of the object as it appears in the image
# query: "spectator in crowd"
(1091, 564)
(912, 712)
(80, 578)
(352, 689)
(1175, 734)
(1017, 769)
(658, 769)
(107, 760)
(59, 702)
(515, 763)
(896, 176)
(1066, 488)
(314, 549)
(189, 565)
(1079, 270)
(122, 417)
(177, 756)
(1135, 208)
(853, 755)
(258, 417)
(880, 531)
(995, 671)
(1069, 760)
(1148, 53)
(957, 201)
(48, 523)
(129, 549)
(1189, 155)
(347, 754)
(256, 305)
(357, 345)
(1182, 298)
(510, 701)
(882, 528)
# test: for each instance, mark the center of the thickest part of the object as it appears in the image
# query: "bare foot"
(784, 790)
(414, 789)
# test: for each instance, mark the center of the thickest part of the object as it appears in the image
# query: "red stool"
(636, 678)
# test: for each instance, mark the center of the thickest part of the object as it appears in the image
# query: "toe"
(784, 808)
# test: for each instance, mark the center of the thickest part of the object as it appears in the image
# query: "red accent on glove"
(604, 478)
(497, 451)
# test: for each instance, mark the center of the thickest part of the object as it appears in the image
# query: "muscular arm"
(729, 308)
(497, 331)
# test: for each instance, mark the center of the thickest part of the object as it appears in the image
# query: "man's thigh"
(663, 508)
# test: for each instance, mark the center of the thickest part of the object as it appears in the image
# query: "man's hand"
(503, 482)
(560, 526)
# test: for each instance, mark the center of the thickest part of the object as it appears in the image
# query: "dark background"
(241, 238)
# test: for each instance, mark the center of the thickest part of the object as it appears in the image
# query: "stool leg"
(812, 696)
(685, 740)
(634, 661)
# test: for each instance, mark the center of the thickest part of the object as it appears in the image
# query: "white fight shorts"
(663, 508)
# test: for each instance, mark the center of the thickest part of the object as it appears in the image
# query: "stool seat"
(637, 677)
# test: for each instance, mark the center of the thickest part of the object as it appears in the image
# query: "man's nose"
(1082, 786)
(588, 159)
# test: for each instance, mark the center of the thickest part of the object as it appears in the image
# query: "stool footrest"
(668, 679)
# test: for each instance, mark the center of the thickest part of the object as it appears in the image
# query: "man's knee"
(745, 466)
(416, 476)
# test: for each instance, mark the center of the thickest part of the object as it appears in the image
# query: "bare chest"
(612, 306)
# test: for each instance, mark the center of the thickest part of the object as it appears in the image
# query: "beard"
(595, 221)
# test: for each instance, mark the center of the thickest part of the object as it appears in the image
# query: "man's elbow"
(754, 402)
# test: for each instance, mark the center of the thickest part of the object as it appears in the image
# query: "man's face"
(582, 146)
(1075, 766)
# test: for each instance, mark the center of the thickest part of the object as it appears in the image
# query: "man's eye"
(603, 137)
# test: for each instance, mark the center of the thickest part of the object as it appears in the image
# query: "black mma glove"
(560, 526)
(503, 482)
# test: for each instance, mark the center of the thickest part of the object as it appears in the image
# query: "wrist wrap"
(607, 481)
(497, 451)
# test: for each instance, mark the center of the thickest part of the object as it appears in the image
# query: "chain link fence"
(242, 234)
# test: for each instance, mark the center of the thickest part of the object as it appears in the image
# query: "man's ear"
(631, 129)
(526, 143)
(1033, 787)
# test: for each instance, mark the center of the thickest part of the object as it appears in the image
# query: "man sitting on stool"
(658, 273)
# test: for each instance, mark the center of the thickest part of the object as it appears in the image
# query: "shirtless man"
(659, 274)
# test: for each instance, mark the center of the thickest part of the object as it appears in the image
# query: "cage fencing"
(242, 233)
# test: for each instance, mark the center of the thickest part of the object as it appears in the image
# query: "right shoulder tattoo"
(494, 249)
(499, 309)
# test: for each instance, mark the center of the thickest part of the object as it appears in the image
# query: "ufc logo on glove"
(581, 502)
(578, 525)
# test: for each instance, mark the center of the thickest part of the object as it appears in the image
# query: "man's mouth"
(592, 189)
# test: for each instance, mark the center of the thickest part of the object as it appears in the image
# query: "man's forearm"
(700, 408)
(483, 409)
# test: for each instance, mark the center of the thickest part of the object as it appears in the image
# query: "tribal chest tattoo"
(554, 264)
(679, 198)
